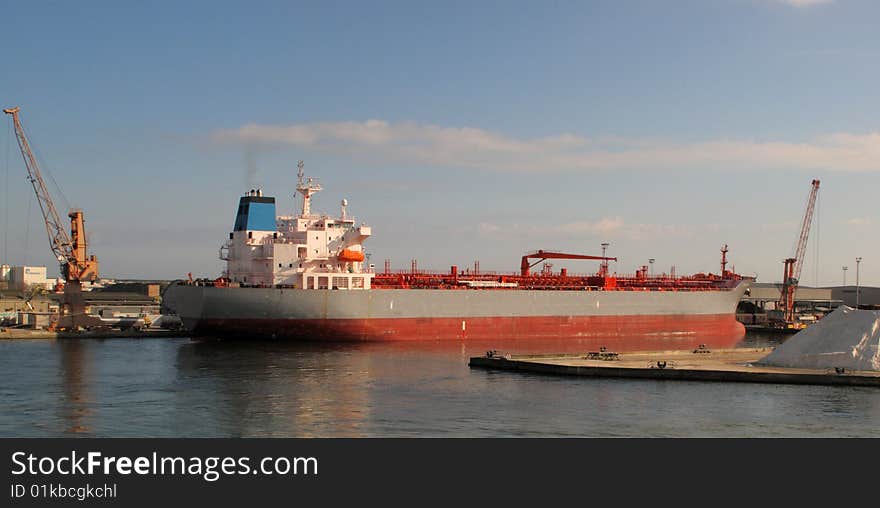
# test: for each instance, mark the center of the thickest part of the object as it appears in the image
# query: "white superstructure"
(307, 251)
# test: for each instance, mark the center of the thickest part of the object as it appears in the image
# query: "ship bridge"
(310, 251)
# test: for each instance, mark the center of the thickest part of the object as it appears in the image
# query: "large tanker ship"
(305, 277)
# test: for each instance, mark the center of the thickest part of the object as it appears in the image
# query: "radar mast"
(306, 187)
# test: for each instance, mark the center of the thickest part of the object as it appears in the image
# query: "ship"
(307, 276)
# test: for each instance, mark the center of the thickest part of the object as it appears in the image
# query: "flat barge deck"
(701, 364)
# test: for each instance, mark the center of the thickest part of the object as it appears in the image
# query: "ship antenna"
(306, 188)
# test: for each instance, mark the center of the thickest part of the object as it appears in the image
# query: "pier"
(24, 333)
(701, 364)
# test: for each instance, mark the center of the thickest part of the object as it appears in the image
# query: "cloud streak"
(859, 221)
(377, 141)
(606, 227)
(804, 3)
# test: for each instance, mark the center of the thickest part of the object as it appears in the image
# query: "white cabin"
(308, 251)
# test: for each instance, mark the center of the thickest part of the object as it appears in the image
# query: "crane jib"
(68, 247)
(792, 266)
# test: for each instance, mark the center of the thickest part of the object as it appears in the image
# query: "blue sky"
(460, 131)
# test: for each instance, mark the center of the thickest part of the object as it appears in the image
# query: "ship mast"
(306, 187)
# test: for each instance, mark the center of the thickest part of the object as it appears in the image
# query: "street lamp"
(651, 262)
(845, 268)
(858, 260)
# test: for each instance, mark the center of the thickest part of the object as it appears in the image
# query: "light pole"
(858, 260)
(651, 262)
(604, 261)
(845, 268)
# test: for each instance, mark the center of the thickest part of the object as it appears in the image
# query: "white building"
(21, 277)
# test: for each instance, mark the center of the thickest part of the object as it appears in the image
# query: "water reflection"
(260, 387)
(278, 388)
(203, 388)
(75, 378)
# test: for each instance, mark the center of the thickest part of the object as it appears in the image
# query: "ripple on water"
(180, 387)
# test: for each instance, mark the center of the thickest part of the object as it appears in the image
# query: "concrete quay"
(24, 334)
(728, 365)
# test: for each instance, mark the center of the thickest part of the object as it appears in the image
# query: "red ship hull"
(621, 332)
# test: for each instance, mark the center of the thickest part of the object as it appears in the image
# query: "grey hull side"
(201, 303)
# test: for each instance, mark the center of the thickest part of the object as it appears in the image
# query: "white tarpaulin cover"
(847, 338)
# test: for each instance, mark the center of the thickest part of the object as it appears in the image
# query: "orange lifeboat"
(350, 255)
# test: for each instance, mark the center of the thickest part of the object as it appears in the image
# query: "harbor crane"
(543, 255)
(69, 248)
(792, 266)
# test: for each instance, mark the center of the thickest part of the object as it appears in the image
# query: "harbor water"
(205, 388)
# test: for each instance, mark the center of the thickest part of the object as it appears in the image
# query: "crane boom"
(542, 255)
(59, 239)
(792, 266)
(805, 229)
(69, 247)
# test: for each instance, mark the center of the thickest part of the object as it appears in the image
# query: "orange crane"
(792, 266)
(543, 255)
(69, 248)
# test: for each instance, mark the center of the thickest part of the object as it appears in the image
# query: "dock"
(701, 364)
(772, 329)
(24, 334)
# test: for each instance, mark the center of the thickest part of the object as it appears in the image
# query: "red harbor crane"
(792, 266)
(70, 249)
(543, 255)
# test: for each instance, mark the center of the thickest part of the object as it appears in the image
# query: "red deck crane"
(792, 266)
(543, 255)
(69, 248)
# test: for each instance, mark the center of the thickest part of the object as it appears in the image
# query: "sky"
(459, 131)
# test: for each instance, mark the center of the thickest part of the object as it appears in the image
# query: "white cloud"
(605, 227)
(859, 221)
(488, 228)
(773, 227)
(805, 3)
(377, 141)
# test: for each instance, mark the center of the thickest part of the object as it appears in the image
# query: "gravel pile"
(845, 339)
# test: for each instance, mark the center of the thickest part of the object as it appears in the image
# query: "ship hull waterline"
(437, 315)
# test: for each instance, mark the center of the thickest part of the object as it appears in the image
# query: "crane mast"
(792, 266)
(69, 248)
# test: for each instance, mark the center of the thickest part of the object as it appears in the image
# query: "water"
(180, 387)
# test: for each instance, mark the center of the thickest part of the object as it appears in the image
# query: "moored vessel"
(306, 276)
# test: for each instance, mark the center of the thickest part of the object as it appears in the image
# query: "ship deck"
(551, 281)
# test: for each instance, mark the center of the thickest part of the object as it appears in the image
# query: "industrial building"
(765, 296)
(19, 278)
(761, 302)
(867, 296)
